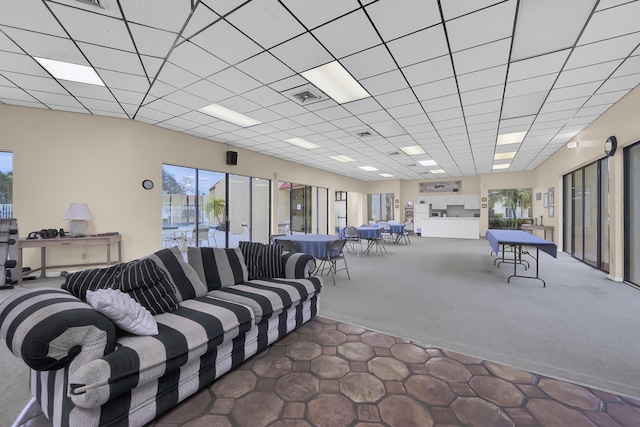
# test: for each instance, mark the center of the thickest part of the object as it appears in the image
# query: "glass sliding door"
(586, 214)
(214, 209)
(632, 213)
(6, 185)
(302, 209)
(341, 209)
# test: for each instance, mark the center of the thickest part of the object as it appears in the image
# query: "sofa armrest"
(49, 329)
(298, 265)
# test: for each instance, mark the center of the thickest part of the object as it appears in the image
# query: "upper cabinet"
(472, 201)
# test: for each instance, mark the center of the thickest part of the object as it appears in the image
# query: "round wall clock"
(147, 184)
(610, 146)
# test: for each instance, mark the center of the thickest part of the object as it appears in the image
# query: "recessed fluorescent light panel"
(228, 115)
(368, 168)
(428, 162)
(343, 159)
(511, 138)
(385, 175)
(302, 143)
(336, 82)
(504, 156)
(72, 72)
(572, 144)
(502, 166)
(437, 171)
(413, 150)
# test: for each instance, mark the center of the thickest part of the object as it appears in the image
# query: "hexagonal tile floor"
(328, 374)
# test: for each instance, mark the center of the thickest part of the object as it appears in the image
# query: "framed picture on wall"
(538, 196)
(551, 195)
(550, 211)
(546, 200)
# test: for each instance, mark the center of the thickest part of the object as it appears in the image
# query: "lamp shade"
(78, 211)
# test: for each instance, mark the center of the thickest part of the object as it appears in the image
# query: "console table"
(530, 228)
(43, 244)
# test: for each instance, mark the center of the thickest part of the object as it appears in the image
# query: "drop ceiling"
(448, 76)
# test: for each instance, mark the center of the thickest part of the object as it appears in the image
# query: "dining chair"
(275, 236)
(386, 230)
(405, 233)
(288, 246)
(337, 247)
(352, 235)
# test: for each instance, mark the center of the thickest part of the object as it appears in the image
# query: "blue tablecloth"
(519, 237)
(365, 232)
(396, 228)
(313, 244)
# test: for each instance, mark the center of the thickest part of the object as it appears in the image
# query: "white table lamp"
(78, 214)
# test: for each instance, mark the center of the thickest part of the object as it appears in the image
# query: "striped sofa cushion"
(197, 327)
(49, 328)
(218, 267)
(142, 279)
(263, 261)
(183, 278)
(269, 297)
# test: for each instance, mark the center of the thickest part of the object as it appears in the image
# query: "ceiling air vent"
(99, 3)
(305, 95)
(364, 133)
(393, 153)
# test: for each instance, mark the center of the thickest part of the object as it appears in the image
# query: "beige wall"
(66, 157)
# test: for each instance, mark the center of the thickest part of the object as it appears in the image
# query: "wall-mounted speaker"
(232, 158)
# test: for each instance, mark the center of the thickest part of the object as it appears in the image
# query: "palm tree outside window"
(509, 208)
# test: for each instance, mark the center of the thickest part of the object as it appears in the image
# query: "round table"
(313, 244)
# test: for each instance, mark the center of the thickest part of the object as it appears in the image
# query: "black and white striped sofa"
(87, 372)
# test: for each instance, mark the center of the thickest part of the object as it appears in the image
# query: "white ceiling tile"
(46, 46)
(31, 16)
(187, 100)
(375, 117)
(406, 110)
(612, 22)
(620, 83)
(393, 21)
(101, 105)
(288, 83)
(265, 68)
(234, 80)
(545, 64)
(362, 106)
(223, 7)
(421, 46)
(483, 95)
(266, 21)
(441, 103)
(569, 104)
(151, 65)
(592, 73)
(112, 59)
(202, 17)
(393, 99)
(491, 117)
(168, 15)
(313, 14)
(265, 115)
(302, 53)
(175, 76)
(196, 60)
(87, 91)
(568, 92)
(453, 9)
(629, 66)
(523, 105)
(484, 26)
(26, 81)
(16, 94)
(209, 91)
(167, 107)
(151, 115)
(451, 113)
(481, 79)
(607, 50)
(436, 89)
(384, 83)
(337, 36)
(562, 22)
(370, 62)
(536, 84)
(56, 99)
(288, 109)
(93, 28)
(481, 57)
(606, 98)
(264, 96)
(429, 71)
(124, 81)
(226, 42)
(307, 119)
(152, 41)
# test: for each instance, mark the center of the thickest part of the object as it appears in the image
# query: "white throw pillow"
(123, 310)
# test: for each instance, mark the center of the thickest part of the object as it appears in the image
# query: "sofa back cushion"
(218, 267)
(183, 278)
(142, 279)
(263, 261)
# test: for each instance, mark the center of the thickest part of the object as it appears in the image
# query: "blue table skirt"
(365, 232)
(313, 244)
(519, 237)
(397, 228)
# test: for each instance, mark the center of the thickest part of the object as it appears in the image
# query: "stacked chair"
(8, 252)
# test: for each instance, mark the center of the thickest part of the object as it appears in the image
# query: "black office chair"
(332, 260)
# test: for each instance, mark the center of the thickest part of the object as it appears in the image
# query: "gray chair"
(288, 246)
(273, 237)
(352, 235)
(331, 261)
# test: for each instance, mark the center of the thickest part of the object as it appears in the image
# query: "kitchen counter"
(451, 227)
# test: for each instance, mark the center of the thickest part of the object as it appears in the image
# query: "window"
(6, 185)
(302, 209)
(198, 209)
(380, 207)
(509, 208)
(632, 213)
